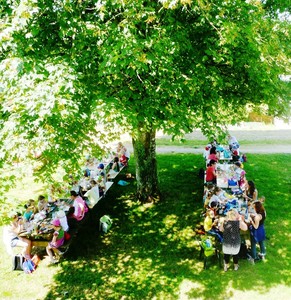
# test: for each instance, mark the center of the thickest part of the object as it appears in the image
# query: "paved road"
(280, 137)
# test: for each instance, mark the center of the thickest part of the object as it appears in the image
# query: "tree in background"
(75, 74)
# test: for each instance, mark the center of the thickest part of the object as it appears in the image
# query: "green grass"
(151, 251)
(202, 143)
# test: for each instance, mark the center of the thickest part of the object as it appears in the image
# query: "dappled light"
(152, 251)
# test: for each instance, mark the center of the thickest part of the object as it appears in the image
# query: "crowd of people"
(84, 194)
(230, 211)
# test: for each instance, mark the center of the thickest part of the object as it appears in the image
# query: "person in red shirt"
(211, 172)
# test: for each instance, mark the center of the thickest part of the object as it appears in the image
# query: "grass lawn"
(151, 251)
(203, 142)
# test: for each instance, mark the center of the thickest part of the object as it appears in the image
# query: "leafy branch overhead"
(76, 74)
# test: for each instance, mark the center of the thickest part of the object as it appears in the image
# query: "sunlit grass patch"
(152, 251)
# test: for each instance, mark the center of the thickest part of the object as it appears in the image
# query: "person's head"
(212, 162)
(210, 186)
(258, 206)
(101, 166)
(30, 204)
(232, 215)
(73, 194)
(56, 223)
(13, 215)
(217, 190)
(93, 182)
(41, 198)
(251, 186)
(237, 164)
(116, 159)
(213, 150)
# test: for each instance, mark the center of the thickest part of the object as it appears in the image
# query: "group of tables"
(39, 229)
(227, 181)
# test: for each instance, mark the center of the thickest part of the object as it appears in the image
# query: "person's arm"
(242, 225)
(54, 239)
(221, 227)
(255, 195)
(213, 171)
(18, 226)
(256, 221)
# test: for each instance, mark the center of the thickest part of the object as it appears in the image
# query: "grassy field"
(151, 251)
(202, 143)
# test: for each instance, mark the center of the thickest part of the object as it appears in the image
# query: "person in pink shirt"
(213, 155)
(80, 207)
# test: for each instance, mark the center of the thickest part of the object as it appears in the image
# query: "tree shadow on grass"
(151, 251)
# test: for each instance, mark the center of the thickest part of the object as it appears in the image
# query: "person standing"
(231, 237)
(211, 172)
(251, 193)
(257, 229)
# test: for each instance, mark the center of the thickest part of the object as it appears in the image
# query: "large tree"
(74, 74)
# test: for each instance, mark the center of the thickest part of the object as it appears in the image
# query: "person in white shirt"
(11, 236)
(232, 142)
(93, 194)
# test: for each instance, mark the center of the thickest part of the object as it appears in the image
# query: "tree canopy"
(74, 74)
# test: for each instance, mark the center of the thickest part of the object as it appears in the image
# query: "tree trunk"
(144, 146)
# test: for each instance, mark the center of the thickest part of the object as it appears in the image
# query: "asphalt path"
(276, 141)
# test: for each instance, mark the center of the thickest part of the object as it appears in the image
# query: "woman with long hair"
(251, 193)
(231, 237)
(257, 230)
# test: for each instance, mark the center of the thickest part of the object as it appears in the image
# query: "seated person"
(238, 171)
(80, 207)
(122, 151)
(61, 216)
(12, 239)
(235, 155)
(242, 181)
(30, 210)
(57, 241)
(123, 160)
(42, 203)
(93, 194)
(211, 225)
(84, 184)
(218, 199)
(115, 166)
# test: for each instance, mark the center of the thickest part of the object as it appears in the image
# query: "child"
(210, 225)
(57, 241)
(30, 210)
(42, 203)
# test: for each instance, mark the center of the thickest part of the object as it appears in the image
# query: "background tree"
(74, 71)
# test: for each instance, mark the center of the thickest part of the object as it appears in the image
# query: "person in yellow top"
(211, 225)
